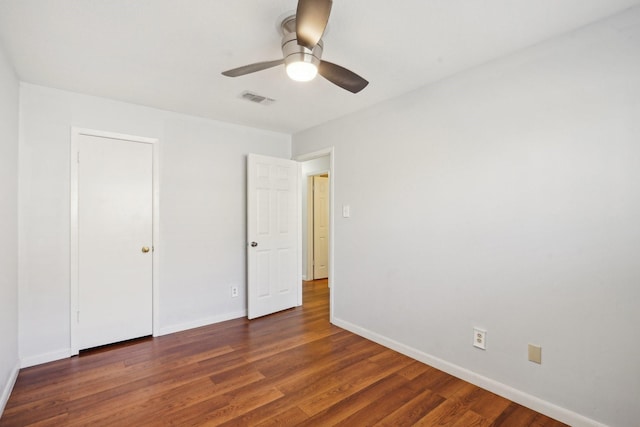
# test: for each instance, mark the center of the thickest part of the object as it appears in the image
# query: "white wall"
(8, 228)
(506, 197)
(202, 211)
(309, 168)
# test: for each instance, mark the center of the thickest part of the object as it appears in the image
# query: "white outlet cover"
(480, 338)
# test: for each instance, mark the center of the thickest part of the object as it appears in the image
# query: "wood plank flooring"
(289, 369)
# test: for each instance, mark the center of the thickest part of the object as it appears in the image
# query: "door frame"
(76, 132)
(328, 151)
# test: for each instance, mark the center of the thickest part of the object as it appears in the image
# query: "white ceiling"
(169, 54)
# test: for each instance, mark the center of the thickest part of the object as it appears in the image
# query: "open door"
(273, 229)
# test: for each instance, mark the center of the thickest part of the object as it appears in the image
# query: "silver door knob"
(254, 244)
(145, 249)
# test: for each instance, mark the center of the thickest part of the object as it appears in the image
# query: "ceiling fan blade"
(252, 68)
(342, 77)
(311, 20)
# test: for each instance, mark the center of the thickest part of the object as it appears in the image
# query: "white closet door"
(115, 226)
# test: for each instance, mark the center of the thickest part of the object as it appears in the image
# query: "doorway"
(317, 163)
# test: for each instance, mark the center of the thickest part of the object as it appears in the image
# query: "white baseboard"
(304, 277)
(544, 407)
(65, 353)
(198, 323)
(39, 359)
(8, 387)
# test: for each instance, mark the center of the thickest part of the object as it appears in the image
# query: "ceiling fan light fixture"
(301, 63)
(302, 49)
(301, 71)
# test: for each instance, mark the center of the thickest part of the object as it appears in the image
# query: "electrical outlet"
(234, 291)
(480, 338)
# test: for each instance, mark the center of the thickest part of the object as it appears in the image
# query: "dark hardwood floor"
(288, 369)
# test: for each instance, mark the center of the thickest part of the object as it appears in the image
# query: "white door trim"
(76, 132)
(329, 151)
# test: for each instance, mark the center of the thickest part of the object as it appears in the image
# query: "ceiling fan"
(302, 49)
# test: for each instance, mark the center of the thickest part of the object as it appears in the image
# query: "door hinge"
(78, 316)
(78, 157)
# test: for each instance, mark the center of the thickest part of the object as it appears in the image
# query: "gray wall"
(508, 198)
(202, 212)
(8, 228)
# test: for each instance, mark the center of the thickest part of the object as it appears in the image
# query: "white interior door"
(115, 247)
(320, 227)
(273, 231)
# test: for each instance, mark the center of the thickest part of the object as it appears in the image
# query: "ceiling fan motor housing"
(293, 52)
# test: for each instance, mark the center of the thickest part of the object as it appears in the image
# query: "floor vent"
(258, 99)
